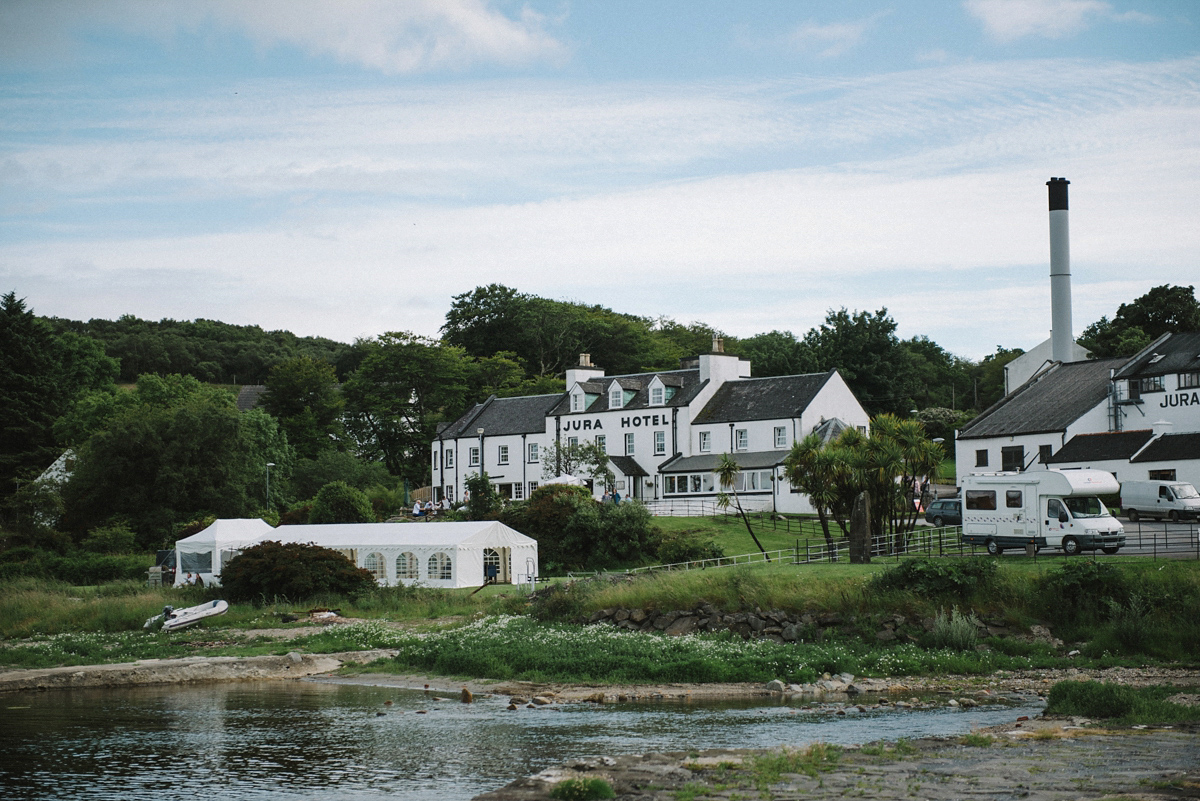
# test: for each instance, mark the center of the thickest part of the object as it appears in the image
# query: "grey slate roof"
(1180, 354)
(628, 465)
(1095, 447)
(762, 398)
(1172, 447)
(1053, 401)
(687, 383)
(707, 462)
(249, 396)
(500, 416)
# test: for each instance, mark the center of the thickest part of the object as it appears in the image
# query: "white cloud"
(829, 40)
(1008, 20)
(391, 37)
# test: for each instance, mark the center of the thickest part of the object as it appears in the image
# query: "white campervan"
(1043, 508)
(1159, 499)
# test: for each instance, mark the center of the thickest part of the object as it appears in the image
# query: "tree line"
(173, 446)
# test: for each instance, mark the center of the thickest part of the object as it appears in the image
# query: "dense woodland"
(148, 407)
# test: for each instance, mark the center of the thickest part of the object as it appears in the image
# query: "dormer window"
(616, 396)
(657, 395)
(577, 401)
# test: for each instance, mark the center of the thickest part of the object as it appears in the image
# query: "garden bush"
(955, 631)
(293, 571)
(938, 578)
(1082, 590)
(687, 546)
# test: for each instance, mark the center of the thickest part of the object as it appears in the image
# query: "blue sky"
(344, 169)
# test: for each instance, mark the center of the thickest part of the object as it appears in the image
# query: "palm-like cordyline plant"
(727, 473)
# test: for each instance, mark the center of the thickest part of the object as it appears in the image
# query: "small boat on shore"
(172, 618)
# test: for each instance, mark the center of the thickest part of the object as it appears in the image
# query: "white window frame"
(780, 436)
(502, 454)
(440, 567)
(705, 441)
(408, 566)
(741, 439)
(473, 456)
(616, 396)
(660, 443)
(657, 395)
(602, 442)
(518, 489)
(448, 459)
(533, 453)
(572, 442)
(533, 485)
(629, 444)
(577, 401)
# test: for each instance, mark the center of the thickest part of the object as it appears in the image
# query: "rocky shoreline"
(1062, 763)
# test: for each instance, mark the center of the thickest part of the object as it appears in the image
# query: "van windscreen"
(1184, 491)
(1086, 507)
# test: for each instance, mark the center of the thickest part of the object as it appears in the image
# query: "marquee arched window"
(407, 566)
(439, 566)
(374, 564)
(491, 564)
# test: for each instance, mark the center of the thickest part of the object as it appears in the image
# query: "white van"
(1159, 499)
(1043, 508)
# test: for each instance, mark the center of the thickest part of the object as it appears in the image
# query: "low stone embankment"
(183, 671)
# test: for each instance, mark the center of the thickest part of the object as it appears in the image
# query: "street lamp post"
(269, 466)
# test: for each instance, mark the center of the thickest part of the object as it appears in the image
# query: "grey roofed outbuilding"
(501, 416)
(1171, 447)
(249, 396)
(1102, 446)
(1049, 402)
(707, 462)
(762, 398)
(686, 382)
(1170, 353)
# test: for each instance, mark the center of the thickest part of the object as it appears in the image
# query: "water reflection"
(305, 740)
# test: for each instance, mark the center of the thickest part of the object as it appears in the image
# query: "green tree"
(41, 375)
(989, 375)
(777, 353)
(302, 394)
(727, 475)
(865, 350)
(180, 450)
(1164, 309)
(338, 502)
(482, 501)
(403, 388)
(309, 475)
(582, 460)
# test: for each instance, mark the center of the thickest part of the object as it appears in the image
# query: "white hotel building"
(663, 431)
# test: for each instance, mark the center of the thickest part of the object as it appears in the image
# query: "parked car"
(945, 512)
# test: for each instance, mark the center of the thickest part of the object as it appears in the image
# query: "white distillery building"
(663, 431)
(1137, 417)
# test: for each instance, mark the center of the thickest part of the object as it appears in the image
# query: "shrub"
(338, 502)
(294, 571)
(1082, 588)
(687, 546)
(955, 631)
(482, 501)
(114, 538)
(957, 578)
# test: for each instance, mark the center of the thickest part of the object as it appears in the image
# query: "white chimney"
(1061, 338)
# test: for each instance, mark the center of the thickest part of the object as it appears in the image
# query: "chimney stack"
(1061, 338)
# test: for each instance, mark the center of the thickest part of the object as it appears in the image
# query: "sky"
(344, 169)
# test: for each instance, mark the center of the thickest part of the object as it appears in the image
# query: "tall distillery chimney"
(1060, 272)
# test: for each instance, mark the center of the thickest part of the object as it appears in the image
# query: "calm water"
(307, 740)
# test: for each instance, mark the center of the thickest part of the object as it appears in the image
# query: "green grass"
(1120, 703)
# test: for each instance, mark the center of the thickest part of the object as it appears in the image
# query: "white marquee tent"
(206, 552)
(458, 554)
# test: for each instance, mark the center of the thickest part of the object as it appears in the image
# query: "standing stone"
(860, 530)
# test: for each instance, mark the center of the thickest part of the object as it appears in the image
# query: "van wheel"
(1111, 551)
(1070, 546)
(1174, 516)
(1132, 514)
(993, 548)
(939, 522)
